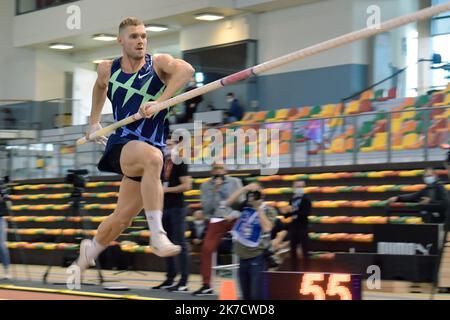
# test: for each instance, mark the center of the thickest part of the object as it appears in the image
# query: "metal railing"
(374, 137)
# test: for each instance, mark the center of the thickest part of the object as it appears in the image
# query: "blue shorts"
(110, 161)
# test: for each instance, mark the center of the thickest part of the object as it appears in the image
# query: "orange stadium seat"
(366, 95)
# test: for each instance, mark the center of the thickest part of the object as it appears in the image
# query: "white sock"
(154, 220)
(94, 251)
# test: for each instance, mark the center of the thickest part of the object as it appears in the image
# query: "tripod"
(75, 203)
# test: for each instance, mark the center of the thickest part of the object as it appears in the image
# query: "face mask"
(198, 221)
(299, 191)
(229, 100)
(429, 179)
(219, 176)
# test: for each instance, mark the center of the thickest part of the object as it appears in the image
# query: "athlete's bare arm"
(98, 100)
(100, 90)
(174, 73)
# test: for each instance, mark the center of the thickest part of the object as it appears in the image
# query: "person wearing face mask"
(249, 232)
(197, 228)
(300, 204)
(214, 197)
(235, 111)
(433, 198)
(191, 105)
(4, 253)
(176, 180)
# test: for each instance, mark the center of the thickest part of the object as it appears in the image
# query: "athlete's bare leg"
(141, 159)
(129, 204)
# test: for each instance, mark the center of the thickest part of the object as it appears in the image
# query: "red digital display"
(311, 286)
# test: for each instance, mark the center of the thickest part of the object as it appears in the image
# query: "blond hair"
(130, 21)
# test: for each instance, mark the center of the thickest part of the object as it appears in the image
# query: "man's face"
(198, 215)
(299, 184)
(428, 173)
(133, 40)
(218, 172)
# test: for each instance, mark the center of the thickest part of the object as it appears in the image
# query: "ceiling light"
(61, 46)
(209, 16)
(98, 61)
(156, 27)
(104, 37)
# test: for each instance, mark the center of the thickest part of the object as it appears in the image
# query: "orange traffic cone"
(228, 290)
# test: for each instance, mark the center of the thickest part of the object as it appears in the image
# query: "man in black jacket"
(298, 228)
(4, 253)
(433, 198)
(197, 228)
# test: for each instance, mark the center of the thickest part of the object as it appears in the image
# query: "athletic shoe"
(163, 247)
(83, 262)
(178, 288)
(7, 276)
(165, 285)
(204, 291)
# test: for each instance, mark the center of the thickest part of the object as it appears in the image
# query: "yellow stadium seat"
(352, 107)
(282, 114)
(336, 122)
(412, 141)
(380, 141)
(407, 115)
(396, 124)
(327, 111)
(337, 146)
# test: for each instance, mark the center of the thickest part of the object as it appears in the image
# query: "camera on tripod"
(78, 181)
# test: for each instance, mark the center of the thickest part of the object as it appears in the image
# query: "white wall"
(156, 44)
(17, 67)
(220, 32)
(47, 25)
(284, 31)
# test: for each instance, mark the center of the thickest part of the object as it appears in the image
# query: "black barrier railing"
(49, 156)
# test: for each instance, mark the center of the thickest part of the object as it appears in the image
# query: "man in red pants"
(214, 195)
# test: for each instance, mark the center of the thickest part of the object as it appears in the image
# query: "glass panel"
(26, 6)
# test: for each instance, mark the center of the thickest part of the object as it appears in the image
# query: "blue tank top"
(127, 92)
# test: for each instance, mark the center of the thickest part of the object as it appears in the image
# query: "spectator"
(4, 253)
(298, 228)
(433, 198)
(176, 180)
(235, 112)
(191, 104)
(214, 195)
(197, 229)
(249, 245)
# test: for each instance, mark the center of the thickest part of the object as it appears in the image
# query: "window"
(441, 45)
(26, 6)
